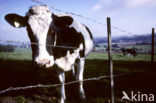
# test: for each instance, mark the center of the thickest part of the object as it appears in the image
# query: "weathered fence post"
(110, 57)
(152, 48)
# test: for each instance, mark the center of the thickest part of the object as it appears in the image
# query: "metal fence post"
(110, 57)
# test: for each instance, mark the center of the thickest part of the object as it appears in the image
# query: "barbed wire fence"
(54, 85)
(72, 82)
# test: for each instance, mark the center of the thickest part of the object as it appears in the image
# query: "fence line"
(49, 45)
(53, 85)
(71, 13)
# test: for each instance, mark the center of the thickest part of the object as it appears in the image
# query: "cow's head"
(37, 21)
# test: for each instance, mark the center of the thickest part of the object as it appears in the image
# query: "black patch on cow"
(50, 40)
(32, 40)
(68, 37)
(63, 21)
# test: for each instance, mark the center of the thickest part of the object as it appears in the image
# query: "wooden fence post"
(110, 58)
(152, 47)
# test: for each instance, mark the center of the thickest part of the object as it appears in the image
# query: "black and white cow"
(71, 40)
(129, 52)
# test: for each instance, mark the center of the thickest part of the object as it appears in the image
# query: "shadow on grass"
(139, 76)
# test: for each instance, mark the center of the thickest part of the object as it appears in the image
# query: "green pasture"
(142, 48)
(25, 54)
(136, 74)
(119, 56)
(18, 54)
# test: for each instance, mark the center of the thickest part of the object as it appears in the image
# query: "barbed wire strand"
(48, 45)
(71, 13)
(53, 85)
(79, 15)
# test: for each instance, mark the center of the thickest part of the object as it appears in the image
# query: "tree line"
(7, 48)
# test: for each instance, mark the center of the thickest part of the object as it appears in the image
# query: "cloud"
(108, 5)
(139, 3)
(111, 5)
(97, 7)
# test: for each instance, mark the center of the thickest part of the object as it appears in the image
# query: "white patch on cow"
(62, 14)
(39, 10)
(66, 63)
(79, 76)
(17, 24)
(62, 80)
(39, 21)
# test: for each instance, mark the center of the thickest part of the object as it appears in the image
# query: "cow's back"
(88, 38)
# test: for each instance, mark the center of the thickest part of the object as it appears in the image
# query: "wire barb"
(79, 15)
(52, 85)
(34, 43)
(71, 13)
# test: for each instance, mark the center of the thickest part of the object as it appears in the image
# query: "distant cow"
(129, 52)
(71, 40)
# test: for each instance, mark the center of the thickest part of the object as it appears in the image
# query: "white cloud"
(108, 5)
(96, 7)
(111, 5)
(139, 3)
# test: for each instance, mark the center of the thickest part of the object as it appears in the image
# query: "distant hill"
(15, 43)
(138, 39)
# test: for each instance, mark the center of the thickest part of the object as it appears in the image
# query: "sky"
(135, 16)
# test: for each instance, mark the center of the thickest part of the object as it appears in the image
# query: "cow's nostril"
(44, 61)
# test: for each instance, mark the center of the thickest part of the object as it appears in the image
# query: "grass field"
(16, 70)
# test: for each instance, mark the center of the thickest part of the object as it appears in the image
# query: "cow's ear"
(16, 20)
(62, 20)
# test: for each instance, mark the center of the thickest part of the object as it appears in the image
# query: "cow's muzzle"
(44, 63)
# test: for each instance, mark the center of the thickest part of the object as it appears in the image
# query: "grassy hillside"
(16, 70)
(18, 54)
